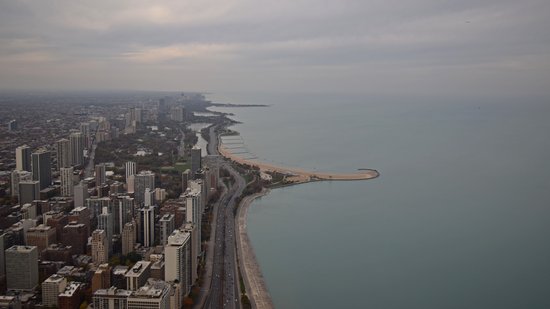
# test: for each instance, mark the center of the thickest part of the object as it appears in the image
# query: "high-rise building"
(101, 278)
(75, 235)
(80, 194)
(51, 288)
(196, 163)
(41, 237)
(23, 158)
(137, 276)
(67, 185)
(100, 247)
(96, 205)
(72, 296)
(193, 209)
(12, 125)
(29, 191)
(77, 148)
(81, 215)
(130, 169)
(22, 267)
(167, 226)
(147, 226)
(142, 181)
(41, 168)
(149, 199)
(191, 229)
(16, 178)
(105, 222)
(123, 212)
(128, 237)
(63, 153)
(153, 295)
(100, 178)
(85, 129)
(177, 257)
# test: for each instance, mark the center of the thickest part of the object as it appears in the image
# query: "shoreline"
(251, 273)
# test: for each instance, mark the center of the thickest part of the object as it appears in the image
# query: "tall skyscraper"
(193, 209)
(100, 247)
(22, 267)
(147, 226)
(196, 163)
(100, 178)
(63, 153)
(149, 199)
(167, 226)
(142, 181)
(16, 178)
(123, 212)
(86, 134)
(128, 237)
(130, 169)
(177, 259)
(80, 194)
(105, 222)
(42, 168)
(67, 185)
(77, 148)
(23, 158)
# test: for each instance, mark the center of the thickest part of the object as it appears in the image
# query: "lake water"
(458, 219)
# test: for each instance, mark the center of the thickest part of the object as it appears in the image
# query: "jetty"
(298, 175)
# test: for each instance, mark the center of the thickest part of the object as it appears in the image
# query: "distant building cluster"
(77, 226)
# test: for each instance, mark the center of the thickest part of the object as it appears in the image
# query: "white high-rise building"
(23, 158)
(21, 267)
(51, 288)
(177, 259)
(67, 185)
(149, 197)
(130, 169)
(100, 247)
(193, 209)
(147, 226)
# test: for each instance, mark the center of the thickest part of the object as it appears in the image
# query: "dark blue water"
(458, 219)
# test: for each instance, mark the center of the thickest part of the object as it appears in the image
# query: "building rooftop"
(71, 288)
(55, 278)
(178, 238)
(152, 289)
(21, 249)
(112, 291)
(138, 269)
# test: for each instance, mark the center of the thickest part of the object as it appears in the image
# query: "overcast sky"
(479, 47)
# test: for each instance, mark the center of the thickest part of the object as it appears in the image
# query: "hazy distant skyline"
(373, 47)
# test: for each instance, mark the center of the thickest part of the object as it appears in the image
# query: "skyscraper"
(22, 267)
(23, 158)
(77, 148)
(185, 177)
(167, 226)
(100, 177)
(80, 194)
(142, 181)
(105, 222)
(66, 174)
(130, 169)
(17, 177)
(41, 168)
(63, 153)
(195, 160)
(100, 247)
(177, 259)
(128, 237)
(149, 197)
(193, 209)
(147, 226)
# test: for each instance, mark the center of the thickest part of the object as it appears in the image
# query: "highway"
(224, 288)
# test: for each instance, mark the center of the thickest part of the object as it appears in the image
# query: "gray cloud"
(420, 46)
